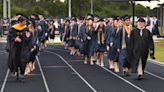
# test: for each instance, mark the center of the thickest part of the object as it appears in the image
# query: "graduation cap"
(81, 18)
(101, 19)
(21, 19)
(96, 16)
(126, 17)
(91, 17)
(141, 20)
(73, 19)
(116, 18)
(19, 14)
(89, 14)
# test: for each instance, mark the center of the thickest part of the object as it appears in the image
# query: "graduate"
(34, 47)
(52, 30)
(90, 38)
(79, 39)
(124, 36)
(72, 35)
(44, 28)
(65, 35)
(112, 45)
(140, 46)
(20, 51)
(101, 46)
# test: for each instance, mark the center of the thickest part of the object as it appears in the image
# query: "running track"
(57, 71)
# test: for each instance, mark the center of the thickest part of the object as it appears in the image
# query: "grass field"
(159, 50)
(55, 44)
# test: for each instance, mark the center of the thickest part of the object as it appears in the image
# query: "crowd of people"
(26, 37)
(90, 37)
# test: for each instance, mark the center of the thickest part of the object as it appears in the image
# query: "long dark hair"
(103, 27)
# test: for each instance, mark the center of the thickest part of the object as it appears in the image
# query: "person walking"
(19, 52)
(140, 45)
(124, 36)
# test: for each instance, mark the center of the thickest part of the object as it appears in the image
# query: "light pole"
(133, 5)
(9, 9)
(4, 9)
(91, 6)
(69, 8)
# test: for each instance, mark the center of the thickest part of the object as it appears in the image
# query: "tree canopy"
(49, 8)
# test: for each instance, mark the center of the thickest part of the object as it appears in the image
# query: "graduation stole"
(70, 35)
(128, 30)
(100, 36)
(79, 26)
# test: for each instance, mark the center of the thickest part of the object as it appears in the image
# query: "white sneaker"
(27, 71)
(97, 62)
(116, 69)
(111, 66)
(13, 74)
(102, 64)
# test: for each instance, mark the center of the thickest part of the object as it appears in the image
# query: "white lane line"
(89, 85)
(154, 75)
(5, 80)
(43, 76)
(6, 77)
(3, 52)
(123, 79)
(156, 62)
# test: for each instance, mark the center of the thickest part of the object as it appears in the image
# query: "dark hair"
(103, 28)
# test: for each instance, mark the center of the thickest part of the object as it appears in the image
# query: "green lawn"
(55, 44)
(159, 50)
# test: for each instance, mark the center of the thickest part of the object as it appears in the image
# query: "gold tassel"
(128, 30)
(79, 28)
(70, 33)
(102, 38)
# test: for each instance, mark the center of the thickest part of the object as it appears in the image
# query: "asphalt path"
(57, 71)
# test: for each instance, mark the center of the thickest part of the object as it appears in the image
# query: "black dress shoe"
(126, 73)
(139, 77)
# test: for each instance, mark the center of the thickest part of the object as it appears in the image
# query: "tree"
(79, 7)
